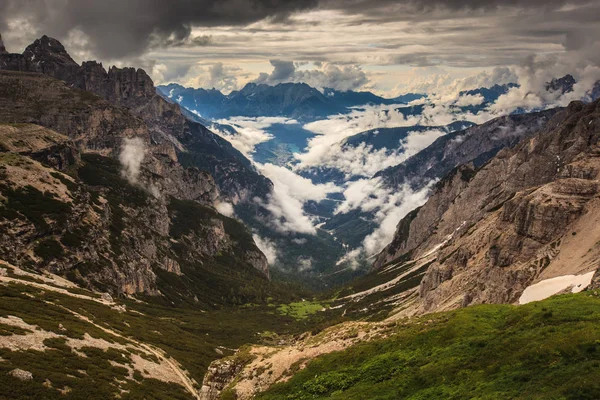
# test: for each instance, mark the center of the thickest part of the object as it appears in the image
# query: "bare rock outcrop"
(511, 222)
(21, 374)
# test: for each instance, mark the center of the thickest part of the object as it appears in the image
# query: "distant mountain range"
(293, 100)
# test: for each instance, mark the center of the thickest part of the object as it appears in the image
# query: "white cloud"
(389, 207)
(469, 100)
(351, 258)
(290, 190)
(286, 202)
(418, 140)
(335, 128)
(444, 86)
(267, 247)
(327, 149)
(362, 160)
(533, 77)
(304, 264)
(249, 131)
(132, 154)
(395, 207)
(217, 75)
(317, 75)
(225, 208)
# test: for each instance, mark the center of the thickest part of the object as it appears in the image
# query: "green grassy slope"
(544, 350)
(192, 337)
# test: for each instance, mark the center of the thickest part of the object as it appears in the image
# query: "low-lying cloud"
(268, 248)
(133, 151)
(328, 148)
(225, 208)
(286, 202)
(387, 205)
(249, 131)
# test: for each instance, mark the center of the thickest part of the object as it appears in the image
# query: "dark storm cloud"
(118, 28)
(282, 70)
(454, 33)
(417, 8)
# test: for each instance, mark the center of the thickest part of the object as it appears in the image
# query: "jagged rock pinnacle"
(2, 48)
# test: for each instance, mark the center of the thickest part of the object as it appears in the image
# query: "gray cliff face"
(112, 235)
(2, 48)
(134, 90)
(477, 144)
(91, 225)
(514, 220)
(95, 125)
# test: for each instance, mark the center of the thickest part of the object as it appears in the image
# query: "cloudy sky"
(390, 47)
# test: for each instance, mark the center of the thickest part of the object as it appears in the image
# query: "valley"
(299, 234)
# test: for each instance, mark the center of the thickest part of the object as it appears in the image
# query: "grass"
(300, 310)
(189, 335)
(545, 350)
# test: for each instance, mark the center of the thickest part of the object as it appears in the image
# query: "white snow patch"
(549, 287)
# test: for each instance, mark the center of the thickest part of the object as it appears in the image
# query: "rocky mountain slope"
(292, 100)
(519, 228)
(105, 182)
(477, 144)
(59, 340)
(133, 89)
(527, 215)
(76, 215)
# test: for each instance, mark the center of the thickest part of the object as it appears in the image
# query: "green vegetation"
(544, 350)
(189, 335)
(300, 310)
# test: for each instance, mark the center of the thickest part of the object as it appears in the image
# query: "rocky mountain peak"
(497, 229)
(562, 85)
(2, 48)
(136, 83)
(47, 49)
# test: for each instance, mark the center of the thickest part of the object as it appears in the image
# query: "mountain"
(351, 98)
(118, 276)
(194, 144)
(517, 229)
(565, 85)
(477, 144)
(489, 233)
(292, 100)
(120, 279)
(562, 85)
(122, 201)
(487, 97)
(390, 138)
(78, 213)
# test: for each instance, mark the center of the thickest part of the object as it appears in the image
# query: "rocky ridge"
(167, 126)
(75, 215)
(117, 226)
(518, 219)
